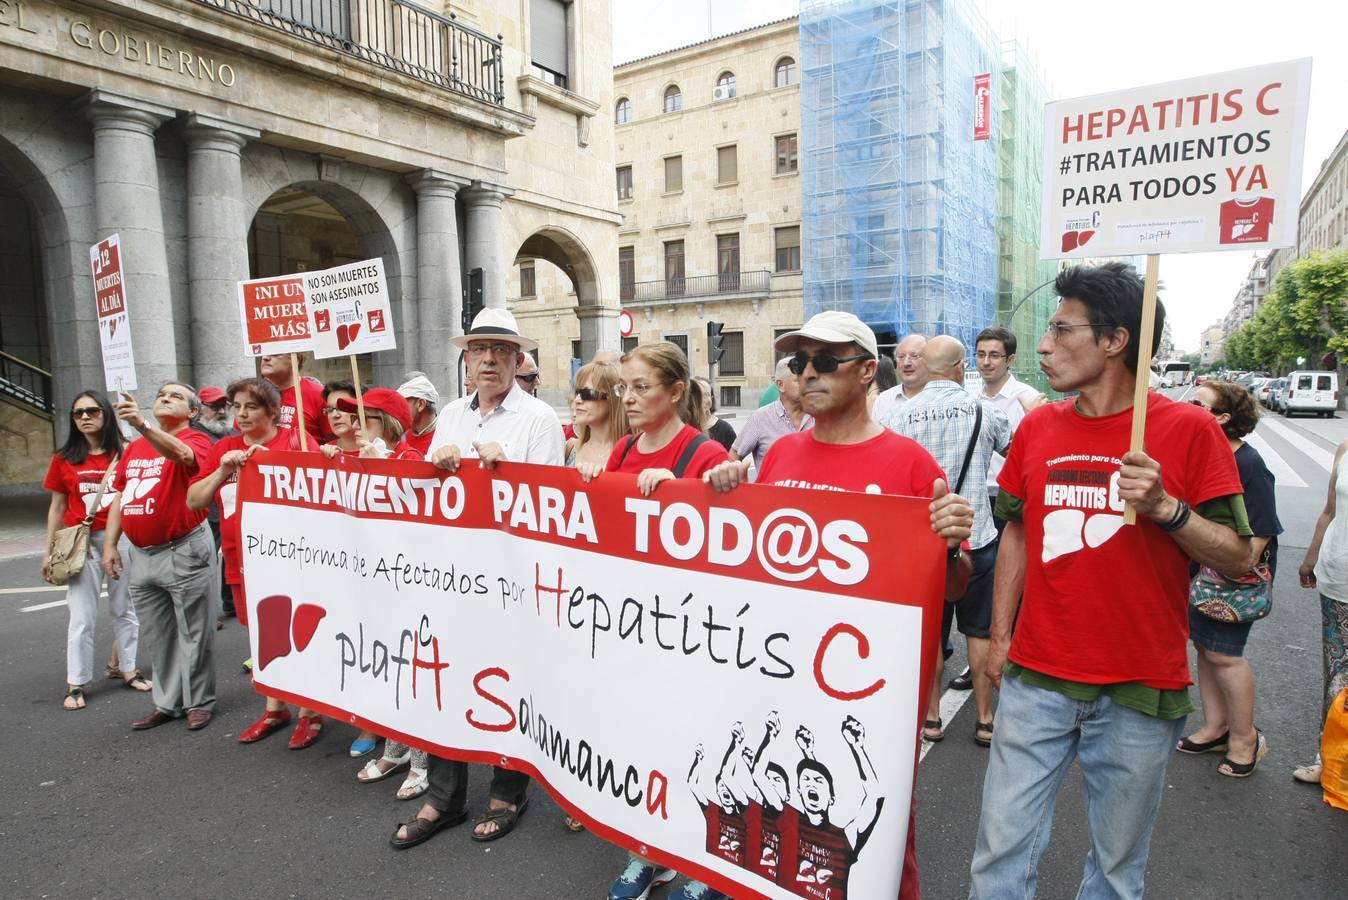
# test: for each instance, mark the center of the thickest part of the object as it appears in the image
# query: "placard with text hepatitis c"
(349, 309)
(730, 684)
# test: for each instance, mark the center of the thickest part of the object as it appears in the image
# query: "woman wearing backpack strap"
(77, 480)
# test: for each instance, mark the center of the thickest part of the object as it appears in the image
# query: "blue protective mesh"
(901, 203)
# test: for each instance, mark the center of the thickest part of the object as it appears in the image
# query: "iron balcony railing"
(394, 34)
(726, 283)
(26, 383)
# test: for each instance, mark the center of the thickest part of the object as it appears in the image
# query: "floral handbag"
(1224, 600)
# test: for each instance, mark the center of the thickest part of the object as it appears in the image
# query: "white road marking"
(38, 606)
(32, 590)
(951, 703)
(1319, 455)
(1283, 473)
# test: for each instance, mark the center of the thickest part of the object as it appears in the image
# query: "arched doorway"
(553, 291)
(303, 227)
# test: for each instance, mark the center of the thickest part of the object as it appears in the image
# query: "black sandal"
(135, 681)
(935, 725)
(505, 820)
(1213, 746)
(77, 693)
(1244, 770)
(420, 830)
(983, 728)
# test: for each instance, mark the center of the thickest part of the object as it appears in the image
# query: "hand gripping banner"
(729, 684)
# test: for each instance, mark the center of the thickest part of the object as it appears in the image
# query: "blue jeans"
(1123, 755)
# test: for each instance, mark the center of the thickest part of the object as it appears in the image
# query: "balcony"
(396, 35)
(728, 286)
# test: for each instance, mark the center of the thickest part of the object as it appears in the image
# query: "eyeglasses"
(86, 412)
(990, 355)
(531, 377)
(1056, 330)
(330, 409)
(494, 349)
(823, 363)
(589, 395)
(639, 389)
(1212, 409)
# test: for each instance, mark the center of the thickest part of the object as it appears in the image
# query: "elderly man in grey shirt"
(781, 417)
(963, 433)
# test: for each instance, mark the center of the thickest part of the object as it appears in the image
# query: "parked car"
(1314, 393)
(1265, 390)
(1275, 392)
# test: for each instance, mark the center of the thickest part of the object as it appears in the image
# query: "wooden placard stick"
(299, 401)
(360, 397)
(1140, 389)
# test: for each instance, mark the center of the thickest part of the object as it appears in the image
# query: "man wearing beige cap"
(424, 399)
(834, 359)
(498, 422)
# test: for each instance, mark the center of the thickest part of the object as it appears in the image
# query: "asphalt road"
(91, 809)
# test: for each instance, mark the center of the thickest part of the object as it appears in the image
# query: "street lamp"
(1021, 302)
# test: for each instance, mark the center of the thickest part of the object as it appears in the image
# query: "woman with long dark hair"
(93, 446)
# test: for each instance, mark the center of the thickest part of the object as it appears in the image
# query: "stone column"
(217, 247)
(439, 283)
(126, 202)
(598, 330)
(485, 248)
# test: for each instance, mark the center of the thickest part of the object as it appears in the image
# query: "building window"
(785, 73)
(629, 344)
(679, 340)
(548, 39)
(624, 182)
(730, 396)
(673, 99)
(527, 284)
(777, 333)
(725, 86)
(673, 174)
(627, 273)
(622, 112)
(786, 154)
(674, 269)
(575, 350)
(732, 360)
(787, 242)
(728, 261)
(727, 165)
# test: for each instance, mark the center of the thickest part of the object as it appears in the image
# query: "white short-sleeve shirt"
(527, 429)
(1008, 400)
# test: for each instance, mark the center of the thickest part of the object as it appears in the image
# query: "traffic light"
(714, 341)
(472, 297)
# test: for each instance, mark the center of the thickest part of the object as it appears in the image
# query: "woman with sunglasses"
(1225, 679)
(664, 409)
(257, 404)
(93, 444)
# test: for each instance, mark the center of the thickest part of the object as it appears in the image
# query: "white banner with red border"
(731, 685)
(114, 320)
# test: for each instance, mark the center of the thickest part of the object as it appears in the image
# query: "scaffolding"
(901, 203)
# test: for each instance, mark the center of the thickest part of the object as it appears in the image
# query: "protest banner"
(349, 313)
(731, 685)
(275, 321)
(114, 323)
(1203, 164)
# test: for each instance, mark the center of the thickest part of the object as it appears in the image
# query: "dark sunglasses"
(1212, 409)
(531, 377)
(823, 363)
(86, 412)
(590, 394)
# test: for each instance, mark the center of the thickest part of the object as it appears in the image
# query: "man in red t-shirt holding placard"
(173, 560)
(834, 360)
(277, 369)
(1097, 670)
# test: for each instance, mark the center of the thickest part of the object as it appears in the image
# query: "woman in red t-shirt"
(92, 447)
(661, 401)
(256, 403)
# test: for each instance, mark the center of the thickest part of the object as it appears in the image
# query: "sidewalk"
(23, 524)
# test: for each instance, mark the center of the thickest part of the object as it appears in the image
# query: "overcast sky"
(1139, 42)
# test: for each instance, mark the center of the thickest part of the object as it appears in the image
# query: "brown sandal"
(420, 830)
(137, 682)
(75, 694)
(505, 820)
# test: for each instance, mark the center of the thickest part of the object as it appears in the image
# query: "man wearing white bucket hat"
(497, 422)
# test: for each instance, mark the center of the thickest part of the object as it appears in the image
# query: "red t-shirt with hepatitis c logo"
(80, 486)
(888, 463)
(1246, 220)
(1105, 604)
(154, 490)
(227, 495)
(315, 423)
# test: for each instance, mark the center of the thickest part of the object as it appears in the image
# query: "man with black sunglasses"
(528, 376)
(834, 361)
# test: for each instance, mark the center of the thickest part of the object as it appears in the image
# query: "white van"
(1316, 393)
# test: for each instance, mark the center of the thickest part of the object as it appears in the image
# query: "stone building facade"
(228, 139)
(1323, 224)
(707, 179)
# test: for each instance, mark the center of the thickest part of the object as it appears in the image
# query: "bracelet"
(1179, 520)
